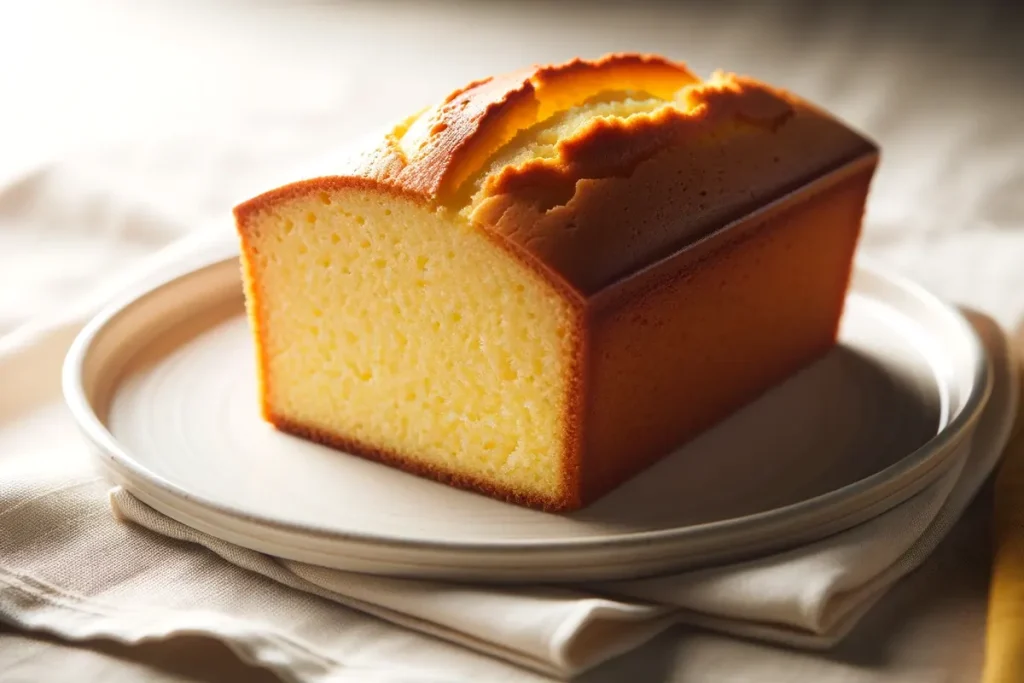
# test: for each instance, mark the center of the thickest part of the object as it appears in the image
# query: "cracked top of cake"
(599, 167)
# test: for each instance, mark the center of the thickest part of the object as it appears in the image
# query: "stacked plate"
(163, 385)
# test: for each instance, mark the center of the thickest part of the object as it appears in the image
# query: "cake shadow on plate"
(827, 426)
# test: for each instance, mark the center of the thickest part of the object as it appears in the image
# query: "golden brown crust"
(622, 193)
(459, 133)
(256, 315)
(613, 147)
(451, 141)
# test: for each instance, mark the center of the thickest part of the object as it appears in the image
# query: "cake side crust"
(671, 360)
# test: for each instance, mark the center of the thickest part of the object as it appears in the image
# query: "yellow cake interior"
(403, 328)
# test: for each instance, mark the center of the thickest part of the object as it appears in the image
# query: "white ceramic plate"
(163, 385)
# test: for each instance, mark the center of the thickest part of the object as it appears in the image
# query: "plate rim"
(929, 458)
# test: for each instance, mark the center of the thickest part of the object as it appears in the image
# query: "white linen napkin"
(128, 587)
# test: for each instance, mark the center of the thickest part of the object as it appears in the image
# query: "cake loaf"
(550, 280)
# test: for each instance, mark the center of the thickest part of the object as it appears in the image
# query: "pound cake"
(540, 286)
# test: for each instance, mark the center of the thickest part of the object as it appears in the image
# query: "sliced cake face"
(391, 328)
(527, 289)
